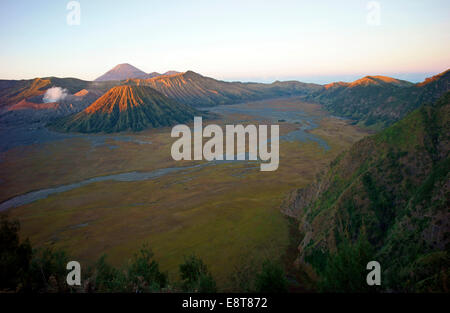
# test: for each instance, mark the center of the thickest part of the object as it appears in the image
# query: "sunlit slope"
(197, 90)
(379, 101)
(15, 91)
(127, 108)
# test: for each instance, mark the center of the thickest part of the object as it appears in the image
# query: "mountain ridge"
(372, 101)
(197, 90)
(125, 108)
(126, 71)
(379, 101)
(121, 72)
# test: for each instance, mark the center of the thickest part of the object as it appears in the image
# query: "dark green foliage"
(48, 270)
(15, 257)
(256, 275)
(24, 269)
(191, 269)
(141, 275)
(318, 258)
(382, 204)
(345, 270)
(429, 273)
(108, 278)
(425, 192)
(144, 272)
(206, 284)
(271, 279)
(195, 276)
(243, 277)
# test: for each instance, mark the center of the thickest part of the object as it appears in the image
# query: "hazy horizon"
(233, 41)
(319, 79)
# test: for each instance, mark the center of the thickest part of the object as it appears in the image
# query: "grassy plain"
(224, 213)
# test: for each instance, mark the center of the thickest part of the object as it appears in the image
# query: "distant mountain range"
(197, 90)
(372, 101)
(378, 101)
(127, 108)
(33, 90)
(22, 101)
(126, 71)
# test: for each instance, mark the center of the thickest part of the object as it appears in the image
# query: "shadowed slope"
(122, 72)
(393, 186)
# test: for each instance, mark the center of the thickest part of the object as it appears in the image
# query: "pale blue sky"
(316, 41)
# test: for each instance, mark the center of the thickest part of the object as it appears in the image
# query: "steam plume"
(55, 94)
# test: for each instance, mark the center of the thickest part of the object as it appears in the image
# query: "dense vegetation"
(395, 187)
(345, 270)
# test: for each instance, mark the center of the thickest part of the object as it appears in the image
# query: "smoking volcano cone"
(125, 108)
